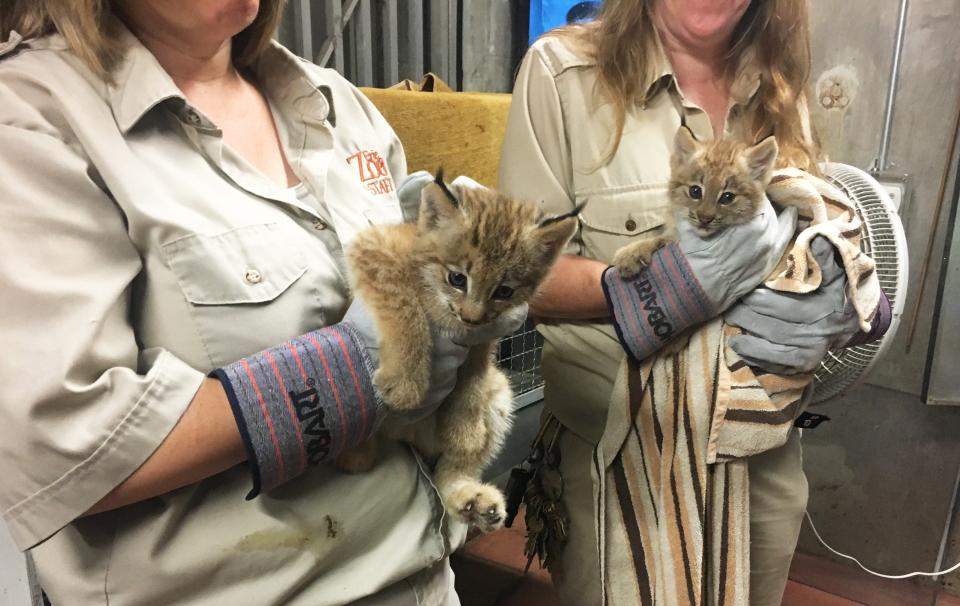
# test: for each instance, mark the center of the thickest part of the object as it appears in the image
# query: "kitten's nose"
(471, 314)
(705, 219)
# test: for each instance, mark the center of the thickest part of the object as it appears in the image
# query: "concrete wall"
(488, 45)
(882, 473)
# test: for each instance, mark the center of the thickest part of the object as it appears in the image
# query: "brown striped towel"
(673, 527)
(673, 514)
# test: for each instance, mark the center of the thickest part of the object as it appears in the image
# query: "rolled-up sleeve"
(81, 407)
(535, 162)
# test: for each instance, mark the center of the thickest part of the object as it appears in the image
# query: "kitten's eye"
(503, 292)
(696, 192)
(457, 280)
(727, 197)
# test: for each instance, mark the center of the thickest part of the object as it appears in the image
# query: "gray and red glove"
(787, 333)
(304, 401)
(694, 279)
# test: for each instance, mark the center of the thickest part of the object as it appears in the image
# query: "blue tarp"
(548, 14)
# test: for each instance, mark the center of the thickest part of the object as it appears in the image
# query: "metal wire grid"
(519, 356)
(841, 369)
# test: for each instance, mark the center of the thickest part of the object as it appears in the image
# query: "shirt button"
(253, 276)
(630, 225)
(319, 225)
(193, 117)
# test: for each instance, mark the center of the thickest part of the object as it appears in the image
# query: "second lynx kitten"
(473, 256)
(716, 184)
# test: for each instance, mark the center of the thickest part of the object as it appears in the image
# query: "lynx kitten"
(473, 255)
(716, 184)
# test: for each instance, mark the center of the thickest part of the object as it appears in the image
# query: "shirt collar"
(140, 83)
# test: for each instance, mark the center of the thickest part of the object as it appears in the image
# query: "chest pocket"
(251, 264)
(244, 288)
(614, 217)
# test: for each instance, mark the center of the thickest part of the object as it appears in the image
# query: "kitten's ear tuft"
(438, 205)
(684, 144)
(553, 233)
(443, 186)
(557, 218)
(761, 159)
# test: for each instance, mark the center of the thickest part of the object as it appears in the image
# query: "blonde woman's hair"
(86, 26)
(624, 44)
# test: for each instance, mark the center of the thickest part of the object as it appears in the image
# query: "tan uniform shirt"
(558, 134)
(137, 253)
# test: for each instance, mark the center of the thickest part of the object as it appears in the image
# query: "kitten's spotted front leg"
(403, 374)
(632, 258)
(471, 427)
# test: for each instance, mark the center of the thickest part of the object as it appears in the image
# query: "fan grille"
(842, 369)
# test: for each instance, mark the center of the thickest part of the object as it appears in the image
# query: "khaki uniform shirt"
(558, 134)
(137, 253)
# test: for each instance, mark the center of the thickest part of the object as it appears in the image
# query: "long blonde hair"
(624, 42)
(86, 27)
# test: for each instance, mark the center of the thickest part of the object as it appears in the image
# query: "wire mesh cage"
(519, 356)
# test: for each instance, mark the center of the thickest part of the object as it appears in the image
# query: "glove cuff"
(658, 303)
(879, 326)
(301, 403)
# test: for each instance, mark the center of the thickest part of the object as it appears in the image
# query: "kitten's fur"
(714, 170)
(405, 275)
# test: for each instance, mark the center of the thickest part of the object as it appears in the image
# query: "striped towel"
(829, 213)
(675, 526)
(673, 497)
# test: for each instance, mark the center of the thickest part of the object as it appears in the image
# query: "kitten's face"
(719, 183)
(484, 253)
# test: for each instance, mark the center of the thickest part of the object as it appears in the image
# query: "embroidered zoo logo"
(373, 171)
(314, 426)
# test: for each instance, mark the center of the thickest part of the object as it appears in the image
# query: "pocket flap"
(625, 211)
(252, 264)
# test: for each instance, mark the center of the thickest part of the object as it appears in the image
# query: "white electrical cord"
(886, 576)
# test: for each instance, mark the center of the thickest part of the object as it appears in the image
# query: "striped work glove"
(304, 401)
(788, 333)
(694, 279)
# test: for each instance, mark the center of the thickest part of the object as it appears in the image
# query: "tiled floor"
(490, 573)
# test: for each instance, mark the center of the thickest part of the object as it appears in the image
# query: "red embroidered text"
(373, 171)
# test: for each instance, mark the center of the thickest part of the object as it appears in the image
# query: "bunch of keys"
(538, 482)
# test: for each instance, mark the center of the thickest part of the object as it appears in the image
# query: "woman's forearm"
(203, 443)
(572, 291)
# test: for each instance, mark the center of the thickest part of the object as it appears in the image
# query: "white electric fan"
(884, 240)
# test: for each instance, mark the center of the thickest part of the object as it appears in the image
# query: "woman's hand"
(789, 333)
(694, 279)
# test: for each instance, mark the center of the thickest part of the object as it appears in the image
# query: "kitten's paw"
(629, 262)
(478, 505)
(400, 392)
(635, 257)
(356, 460)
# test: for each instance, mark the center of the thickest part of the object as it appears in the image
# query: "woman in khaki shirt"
(594, 114)
(175, 192)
